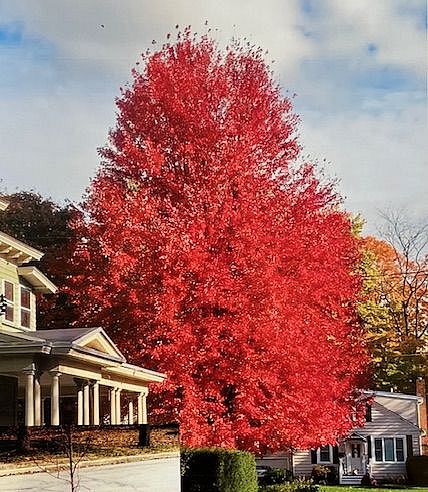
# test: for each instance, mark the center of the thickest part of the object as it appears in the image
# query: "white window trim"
(383, 449)
(330, 452)
(9, 303)
(23, 287)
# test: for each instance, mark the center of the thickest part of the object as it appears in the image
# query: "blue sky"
(358, 69)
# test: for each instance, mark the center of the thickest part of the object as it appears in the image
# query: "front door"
(355, 457)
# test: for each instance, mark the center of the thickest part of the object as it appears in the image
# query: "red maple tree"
(211, 255)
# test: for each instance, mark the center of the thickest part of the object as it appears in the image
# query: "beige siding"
(276, 460)
(302, 466)
(8, 271)
(33, 322)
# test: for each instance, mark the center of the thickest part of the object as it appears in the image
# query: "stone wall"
(164, 435)
(115, 436)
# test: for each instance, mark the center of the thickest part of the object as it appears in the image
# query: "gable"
(406, 408)
(387, 422)
(98, 341)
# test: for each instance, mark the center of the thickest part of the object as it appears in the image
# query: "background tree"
(395, 309)
(209, 253)
(43, 224)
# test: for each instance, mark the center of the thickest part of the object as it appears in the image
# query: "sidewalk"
(8, 469)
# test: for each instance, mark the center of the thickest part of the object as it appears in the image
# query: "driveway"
(158, 475)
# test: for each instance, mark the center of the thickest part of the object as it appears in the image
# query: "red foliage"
(212, 256)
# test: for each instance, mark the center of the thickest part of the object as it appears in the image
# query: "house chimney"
(423, 419)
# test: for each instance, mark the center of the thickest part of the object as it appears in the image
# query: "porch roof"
(89, 345)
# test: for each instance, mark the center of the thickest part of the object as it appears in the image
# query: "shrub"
(217, 470)
(368, 481)
(324, 474)
(299, 485)
(417, 470)
(275, 476)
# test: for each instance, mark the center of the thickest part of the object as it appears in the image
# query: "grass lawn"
(345, 488)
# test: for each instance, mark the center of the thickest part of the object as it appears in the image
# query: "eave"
(22, 348)
(37, 280)
(14, 251)
(139, 373)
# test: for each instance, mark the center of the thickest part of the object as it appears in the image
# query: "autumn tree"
(395, 306)
(208, 252)
(43, 224)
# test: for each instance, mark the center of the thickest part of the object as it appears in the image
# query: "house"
(65, 375)
(391, 434)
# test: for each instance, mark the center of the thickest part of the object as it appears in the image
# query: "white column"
(112, 406)
(79, 404)
(130, 412)
(142, 409)
(55, 398)
(118, 416)
(86, 404)
(144, 405)
(96, 403)
(37, 402)
(29, 398)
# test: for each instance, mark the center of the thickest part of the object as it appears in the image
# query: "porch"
(61, 397)
(72, 376)
(353, 459)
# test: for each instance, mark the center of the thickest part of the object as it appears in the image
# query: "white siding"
(404, 407)
(387, 423)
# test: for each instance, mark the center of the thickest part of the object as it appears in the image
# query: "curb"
(114, 460)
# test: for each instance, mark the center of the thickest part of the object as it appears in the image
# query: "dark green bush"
(275, 476)
(417, 470)
(217, 470)
(299, 485)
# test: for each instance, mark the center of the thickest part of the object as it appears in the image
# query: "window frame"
(330, 455)
(383, 459)
(9, 303)
(26, 309)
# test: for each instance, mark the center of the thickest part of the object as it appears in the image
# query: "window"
(356, 450)
(25, 307)
(368, 413)
(325, 454)
(399, 448)
(389, 449)
(10, 300)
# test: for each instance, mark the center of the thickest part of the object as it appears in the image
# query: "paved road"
(161, 475)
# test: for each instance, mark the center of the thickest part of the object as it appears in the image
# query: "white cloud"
(75, 26)
(378, 157)
(376, 142)
(49, 144)
(349, 26)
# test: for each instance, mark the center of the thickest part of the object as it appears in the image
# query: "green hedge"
(217, 470)
(417, 470)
